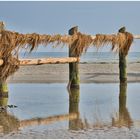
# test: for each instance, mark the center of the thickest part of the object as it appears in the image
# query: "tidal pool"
(52, 106)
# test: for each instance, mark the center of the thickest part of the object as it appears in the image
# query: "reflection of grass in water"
(97, 115)
(8, 123)
(97, 121)
(118, 119)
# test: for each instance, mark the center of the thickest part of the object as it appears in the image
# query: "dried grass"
(80, 44)
(120, 42)
(12, 42)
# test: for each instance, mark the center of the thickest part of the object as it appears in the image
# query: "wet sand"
(102, 133)
(89, 73)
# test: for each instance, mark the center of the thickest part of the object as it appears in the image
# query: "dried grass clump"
(31, 40)
(12, 42)
(102, 40)
(124, 41)
(120, 42)
(11, 63)
(80, 43)
(10, 66)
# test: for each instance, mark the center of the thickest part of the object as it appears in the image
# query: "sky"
(58, 17)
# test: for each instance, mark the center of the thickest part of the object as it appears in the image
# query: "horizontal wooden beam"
(136, 36)
(40, 61)
(49, 61)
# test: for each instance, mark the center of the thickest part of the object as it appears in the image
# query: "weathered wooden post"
(3, 101)
(3, 89)
(122, 62)
(73, 67)
(123, 67)
(3, 84)
(126, 40)
(74, 95)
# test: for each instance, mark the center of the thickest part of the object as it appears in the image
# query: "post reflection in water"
(124, 118)
(74, 96)
(8, 122)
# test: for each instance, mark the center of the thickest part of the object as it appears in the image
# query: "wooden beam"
(136, 36)
(48, 61)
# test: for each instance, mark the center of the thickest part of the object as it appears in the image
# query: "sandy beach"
(89, 73)
(106, 133)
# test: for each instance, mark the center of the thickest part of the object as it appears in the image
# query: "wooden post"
(122, 62)
(3, 84)
(73, 67)
(3, 89)
(3, 101)
(74, 94)
(123, 67)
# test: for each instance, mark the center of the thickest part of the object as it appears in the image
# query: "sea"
(89, 57)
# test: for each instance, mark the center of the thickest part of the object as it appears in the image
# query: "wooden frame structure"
(73, 60)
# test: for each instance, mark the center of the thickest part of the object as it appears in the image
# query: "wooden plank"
(48, 61)
(136, 36)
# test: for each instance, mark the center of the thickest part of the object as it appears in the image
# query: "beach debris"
(12, 106)
(4, 108)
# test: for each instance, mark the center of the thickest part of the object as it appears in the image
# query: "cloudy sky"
(59, 17)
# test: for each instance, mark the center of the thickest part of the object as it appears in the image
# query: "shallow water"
(51, 106)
